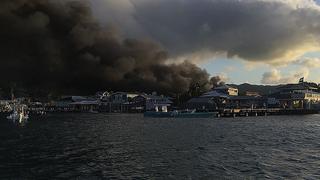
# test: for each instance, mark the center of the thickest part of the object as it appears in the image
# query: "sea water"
(129, 146)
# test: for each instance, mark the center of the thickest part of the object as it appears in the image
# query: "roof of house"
(149, 96)
(246, 98)
(300, 86)
(306, 91)
(200, 100)
(224, 87)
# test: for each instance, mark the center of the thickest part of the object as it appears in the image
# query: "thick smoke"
(216, 81)
(270, 31)
(59, 45)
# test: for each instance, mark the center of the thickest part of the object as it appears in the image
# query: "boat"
(93, 111)
(180, 114)
(156, 114)
(23, 116)
(19, 114)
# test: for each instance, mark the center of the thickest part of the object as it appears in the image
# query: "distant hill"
(261, 89)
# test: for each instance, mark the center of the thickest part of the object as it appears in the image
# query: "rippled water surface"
(133, 147)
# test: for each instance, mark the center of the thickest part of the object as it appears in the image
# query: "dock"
(245, 112)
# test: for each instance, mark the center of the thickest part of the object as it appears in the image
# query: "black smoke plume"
(216, 81)
(59, 46)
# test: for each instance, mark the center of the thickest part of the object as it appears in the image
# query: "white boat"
(23, 116)
(20, 115)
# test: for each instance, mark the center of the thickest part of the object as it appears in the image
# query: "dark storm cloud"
(253, 30)
(59, 45)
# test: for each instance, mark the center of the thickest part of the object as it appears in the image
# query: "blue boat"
(158, 114)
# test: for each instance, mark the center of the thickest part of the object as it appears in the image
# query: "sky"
(243, 41)
(168, 46)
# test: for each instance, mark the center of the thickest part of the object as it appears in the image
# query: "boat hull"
(158, 114)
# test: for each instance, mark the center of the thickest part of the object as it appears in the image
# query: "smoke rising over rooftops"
(59, 45)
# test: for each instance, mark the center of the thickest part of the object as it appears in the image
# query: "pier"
(245, 112)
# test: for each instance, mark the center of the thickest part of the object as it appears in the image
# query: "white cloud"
(224, 77)
(308, 62)
(299, 3)
(276, 77)
(250, 66)
(229, 69)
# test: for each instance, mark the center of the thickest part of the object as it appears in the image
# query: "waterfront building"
(202, 104)
(213, 99)
(297, 96)
(146, 102)
(215, 94)
(89, 105)
(298, 86)
(75, 103)
(122, 97)
(252, 102)
(104, 99)
(225, 89)
(103, 95)
(121, 101)
(252, 93)
(226, 97)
